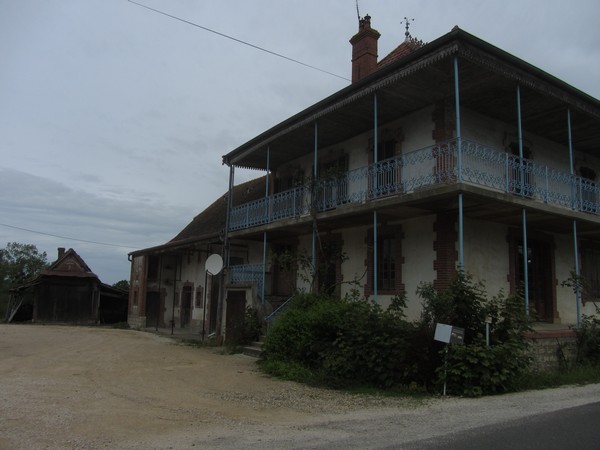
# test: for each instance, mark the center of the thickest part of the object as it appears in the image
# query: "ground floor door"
(153, 309)
(236, 307)
(540, 268)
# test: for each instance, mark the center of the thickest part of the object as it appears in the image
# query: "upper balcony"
(441, 165)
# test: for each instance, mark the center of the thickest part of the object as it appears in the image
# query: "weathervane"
(407, 22)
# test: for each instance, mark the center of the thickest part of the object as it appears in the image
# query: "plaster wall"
(486, 254)
(417, 249)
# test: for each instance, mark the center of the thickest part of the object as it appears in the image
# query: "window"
(153, 267)
(590, 269)
(386, 263)
(389, 261)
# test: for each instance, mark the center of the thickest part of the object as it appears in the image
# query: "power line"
(65, 237)
(262, 49)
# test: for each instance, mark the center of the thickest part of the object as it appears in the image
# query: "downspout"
(264, 264)
(160, 267)
(225, 252)
(174, 292)
(575, 246)
(524, 212)
(375, 161)
(314, 204)
(461, 253)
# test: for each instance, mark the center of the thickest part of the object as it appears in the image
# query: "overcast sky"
(113, 118)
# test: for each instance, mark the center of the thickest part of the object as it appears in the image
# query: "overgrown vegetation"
(588, 340)
(18, 263)
(351, 342)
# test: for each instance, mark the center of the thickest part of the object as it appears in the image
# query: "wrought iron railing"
(277, 311)
(247, 273)
(482, 165)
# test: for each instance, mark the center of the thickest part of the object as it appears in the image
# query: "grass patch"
(198, 342)
(291, 371)
(579, 375)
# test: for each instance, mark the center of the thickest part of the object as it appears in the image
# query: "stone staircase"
(255, 348)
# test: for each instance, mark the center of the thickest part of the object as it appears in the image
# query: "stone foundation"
(551, 349)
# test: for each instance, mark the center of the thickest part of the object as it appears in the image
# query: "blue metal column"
(375, 161)
(229, 206)
(222, 274)
(313, 194)
(461, 252)
(524, 212)
(575, 246)
(264, 262)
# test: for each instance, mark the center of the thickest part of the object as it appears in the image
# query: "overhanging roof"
(487, 75)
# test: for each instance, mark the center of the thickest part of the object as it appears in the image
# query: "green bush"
(349, 342)
(341, 342)
(588, 340)
(474, 368)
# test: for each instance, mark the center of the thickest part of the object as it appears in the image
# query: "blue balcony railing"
(247, 273)
(432, 166)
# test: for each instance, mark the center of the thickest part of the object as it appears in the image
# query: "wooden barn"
(67, 292)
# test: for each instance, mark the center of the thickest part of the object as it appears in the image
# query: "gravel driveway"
(90, 388)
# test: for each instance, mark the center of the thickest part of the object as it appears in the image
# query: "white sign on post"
(443, 333)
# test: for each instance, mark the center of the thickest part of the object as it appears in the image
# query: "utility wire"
(240, 41)
(65, 237)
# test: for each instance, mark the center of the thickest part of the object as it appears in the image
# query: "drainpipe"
(160, 266)
(314, 205)
(524, 212)
(461, 253)
(375, 161)
(264, 265)
(575, 246)
(225, 251)
(174, 292)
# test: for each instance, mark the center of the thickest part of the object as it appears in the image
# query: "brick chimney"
(364, 50)
(61, 252)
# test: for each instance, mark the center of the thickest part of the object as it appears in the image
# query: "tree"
(18, 263)
(123, 285)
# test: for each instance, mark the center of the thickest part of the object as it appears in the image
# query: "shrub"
(474, 368)
(341, 342)
(349, 342)
(588, 340)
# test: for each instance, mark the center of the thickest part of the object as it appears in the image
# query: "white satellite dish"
(214, 264)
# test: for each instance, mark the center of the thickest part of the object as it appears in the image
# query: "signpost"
(449, 335)
(213, 265)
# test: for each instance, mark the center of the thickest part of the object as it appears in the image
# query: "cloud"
(35, 203)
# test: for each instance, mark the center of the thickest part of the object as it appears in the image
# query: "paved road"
(572, 428)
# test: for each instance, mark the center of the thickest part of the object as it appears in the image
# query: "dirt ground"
(91, 388)
(79, 387)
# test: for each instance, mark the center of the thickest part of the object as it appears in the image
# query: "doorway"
(153, 309)
(541, 278)
(236, 307)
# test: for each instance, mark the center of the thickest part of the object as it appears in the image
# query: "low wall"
(551, 349)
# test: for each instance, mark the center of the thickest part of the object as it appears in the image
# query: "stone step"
(254, 349)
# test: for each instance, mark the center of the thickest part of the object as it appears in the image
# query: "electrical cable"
(65, 237)
(239, 41)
